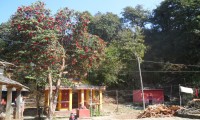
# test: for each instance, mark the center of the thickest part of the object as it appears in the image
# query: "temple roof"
(7, 81)
(79, 87)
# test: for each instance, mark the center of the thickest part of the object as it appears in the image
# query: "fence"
(122, 100)
(115, 101)
(118, 101)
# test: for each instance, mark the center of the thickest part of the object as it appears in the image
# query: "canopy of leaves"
(136, 16)
(175, 26)
(119, 64)
(174, 36)
(124, 44)
(43, 43)
(4, 36)
(106, 26)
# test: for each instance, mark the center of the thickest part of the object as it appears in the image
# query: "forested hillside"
(166, 39)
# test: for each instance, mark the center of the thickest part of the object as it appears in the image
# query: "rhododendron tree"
(48, 46)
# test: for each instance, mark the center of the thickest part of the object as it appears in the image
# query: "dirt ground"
(126, 111)
(111, 118)
(113, 111)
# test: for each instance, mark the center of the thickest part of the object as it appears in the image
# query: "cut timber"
(159, 110)
(192, 108)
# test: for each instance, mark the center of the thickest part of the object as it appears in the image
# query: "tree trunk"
(58, 82)
(50, 112)
(55, 99)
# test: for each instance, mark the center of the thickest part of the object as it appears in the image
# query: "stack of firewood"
(192, 107)
(159, 110)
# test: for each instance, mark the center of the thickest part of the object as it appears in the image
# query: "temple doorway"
(75, 99)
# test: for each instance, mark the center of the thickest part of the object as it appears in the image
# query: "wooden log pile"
(195, 103)
(159, 110)
(192, 107)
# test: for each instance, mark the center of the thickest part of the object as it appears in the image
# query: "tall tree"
(178, 22)
(4, 36)
(46, 47)
(174, 35)
(136, 16)
(105, 26)
(118, 67)
(124, 43)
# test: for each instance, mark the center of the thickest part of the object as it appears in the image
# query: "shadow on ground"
(31, 114)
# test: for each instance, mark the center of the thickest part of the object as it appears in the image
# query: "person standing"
(150, 98)
(3, 102)
(196, 92)
(22, 105)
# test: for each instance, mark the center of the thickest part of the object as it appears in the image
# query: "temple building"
(80, 94)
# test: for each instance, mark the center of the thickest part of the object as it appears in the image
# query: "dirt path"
(112, 111)
(115, 118)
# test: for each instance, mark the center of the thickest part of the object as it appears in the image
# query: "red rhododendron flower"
(19, 27)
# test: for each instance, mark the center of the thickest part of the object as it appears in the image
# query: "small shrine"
(79, 95)
(10, 85)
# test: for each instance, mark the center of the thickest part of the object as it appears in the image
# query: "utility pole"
(141, 82)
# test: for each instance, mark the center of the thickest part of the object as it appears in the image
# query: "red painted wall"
(157, 94)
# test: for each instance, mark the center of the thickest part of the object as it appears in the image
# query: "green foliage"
(135, 16)
(116, 69)
(106, 26)
(109, 69)
(195, 80)
(131, 43)
(174, 37)
(44, 44)
(36, 38)
(4, 36)
(2, 45)
(124, 44)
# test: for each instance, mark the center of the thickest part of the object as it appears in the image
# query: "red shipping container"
(157, 96)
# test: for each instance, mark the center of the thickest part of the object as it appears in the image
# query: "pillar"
(93, 94)
(87, 97)
(79, 97)
(100, 99)
(59, 99)
(70, 99)
(8, 103)
(82, 96)
(18, 114)
(91, 101)
(1, 92)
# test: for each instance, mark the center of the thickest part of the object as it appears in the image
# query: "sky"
(9, 7)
